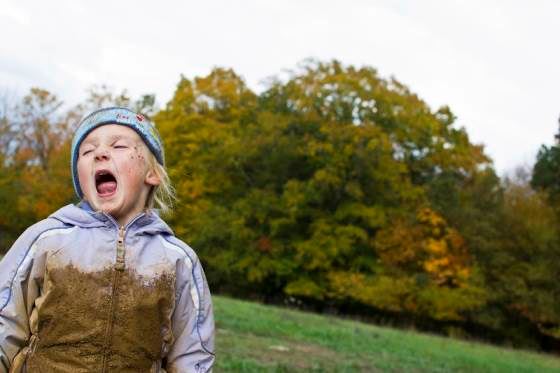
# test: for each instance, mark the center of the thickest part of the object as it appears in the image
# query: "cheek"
(136, 165)
(82, 172)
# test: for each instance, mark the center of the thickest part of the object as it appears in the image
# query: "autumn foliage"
(332, 187)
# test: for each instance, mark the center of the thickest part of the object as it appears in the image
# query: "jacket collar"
(82, 215)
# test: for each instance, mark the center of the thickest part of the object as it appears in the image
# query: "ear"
(152, 178)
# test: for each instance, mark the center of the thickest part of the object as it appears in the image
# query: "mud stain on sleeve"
(78, 307)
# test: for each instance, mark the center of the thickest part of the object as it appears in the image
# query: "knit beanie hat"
(115, 115)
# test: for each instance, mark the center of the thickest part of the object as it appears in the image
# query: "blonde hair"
(162, 196)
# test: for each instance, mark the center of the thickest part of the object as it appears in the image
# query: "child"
(105, 286)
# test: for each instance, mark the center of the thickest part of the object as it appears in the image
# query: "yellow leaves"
(446, 260)
(222, 93)
(319, 251)
(318, 148)
(324, 177)
(431, 219)
(437, 266)
(398, 245)
(436, 247)
(444, 303)
(455, 240)
(403, 293)
(330, 243)
(427, 245)
(354, 190)
(463, 274)
(344, 285)
(191, 189)
(304, 287)
(384, 292)
(389, 293)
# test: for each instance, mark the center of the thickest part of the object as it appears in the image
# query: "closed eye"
(86, 152)
(121, 146)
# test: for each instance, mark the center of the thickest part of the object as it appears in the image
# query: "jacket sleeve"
(18, 291)
(193, 321)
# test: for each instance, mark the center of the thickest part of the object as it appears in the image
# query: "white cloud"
(493, 62)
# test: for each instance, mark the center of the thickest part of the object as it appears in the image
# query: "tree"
(546, 171)
(288, 193)
(523, 265)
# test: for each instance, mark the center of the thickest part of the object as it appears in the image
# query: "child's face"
(113, 171)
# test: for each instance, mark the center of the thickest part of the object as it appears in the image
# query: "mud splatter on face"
(138, 153)
(141, 156)
(108, 318)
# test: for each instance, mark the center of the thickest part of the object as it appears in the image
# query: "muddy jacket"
(78, 293)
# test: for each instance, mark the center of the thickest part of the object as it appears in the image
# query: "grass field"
(254, 338)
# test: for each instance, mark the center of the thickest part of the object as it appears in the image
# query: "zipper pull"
(119, 265)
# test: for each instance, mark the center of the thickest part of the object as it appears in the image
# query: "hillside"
(253, 337)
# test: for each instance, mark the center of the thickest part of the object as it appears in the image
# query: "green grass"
(254, 338)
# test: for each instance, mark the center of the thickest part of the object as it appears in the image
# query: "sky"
(494, 63)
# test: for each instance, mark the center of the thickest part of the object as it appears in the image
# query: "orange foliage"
(427, 244)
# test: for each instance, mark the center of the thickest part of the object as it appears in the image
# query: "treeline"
(334, 188)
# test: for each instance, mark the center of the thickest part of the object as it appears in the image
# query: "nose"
(101, 154)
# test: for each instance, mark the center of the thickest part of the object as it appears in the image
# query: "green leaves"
(291, 189)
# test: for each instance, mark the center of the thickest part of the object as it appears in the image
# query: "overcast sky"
(495, 63)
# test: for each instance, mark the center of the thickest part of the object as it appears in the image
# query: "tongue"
(107, 187)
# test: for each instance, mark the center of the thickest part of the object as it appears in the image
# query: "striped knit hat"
(115, 115)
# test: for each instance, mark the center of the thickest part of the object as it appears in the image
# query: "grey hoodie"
(78, 293)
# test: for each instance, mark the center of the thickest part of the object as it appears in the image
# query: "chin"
(108, 207)
(103, 204)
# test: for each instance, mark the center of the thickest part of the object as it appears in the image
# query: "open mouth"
(105, 183)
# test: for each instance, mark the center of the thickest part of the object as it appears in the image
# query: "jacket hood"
(82, 215)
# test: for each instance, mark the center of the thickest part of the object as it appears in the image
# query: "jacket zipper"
(117, 273)
(119, 263)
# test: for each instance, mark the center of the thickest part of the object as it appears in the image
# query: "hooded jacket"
(78, 293)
